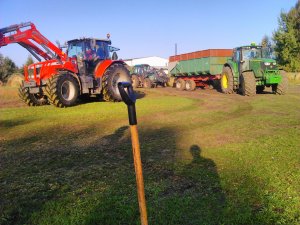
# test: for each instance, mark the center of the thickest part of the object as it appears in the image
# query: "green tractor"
(251, 69)
(143, 75)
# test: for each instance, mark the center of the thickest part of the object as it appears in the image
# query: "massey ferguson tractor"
(89, 67)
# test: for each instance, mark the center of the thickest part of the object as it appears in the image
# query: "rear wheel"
(190, 85)
(227, 80)
(135, 81)
(247, 84)
(282, 87)
(147, 83)
(180, 84)
(32, 99)
(62, 90)
(113, 75)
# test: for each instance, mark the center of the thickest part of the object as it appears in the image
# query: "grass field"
(208, 158)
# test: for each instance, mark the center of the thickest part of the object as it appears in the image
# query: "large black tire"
(180, 84)
(32, 99)
(190, 85)
(247, 84)
(62, 90)
(113, 75)
(282, 87)
(226, 82)
(135, 81)
(147, 83)
(260, 89)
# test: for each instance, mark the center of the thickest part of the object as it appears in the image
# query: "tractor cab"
(254, 58)
(87, 53)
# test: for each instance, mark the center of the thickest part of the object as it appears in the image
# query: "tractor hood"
(263, 64)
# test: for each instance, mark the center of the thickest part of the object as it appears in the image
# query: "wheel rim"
(119, 77)
(68, 90)
(187, 86)
(224, 81)
(178, 85)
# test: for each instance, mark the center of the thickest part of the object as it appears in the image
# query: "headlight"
(267, 64)
(274, 63)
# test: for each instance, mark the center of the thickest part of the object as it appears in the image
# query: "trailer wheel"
(227, 80)
(147, 83)
(62, 90)
(282, 87)
(247, 84)
(113, 75)
(180, 84)
(135, 81)
(32, 99)
(190, 85)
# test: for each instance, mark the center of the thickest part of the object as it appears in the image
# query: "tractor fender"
(103, 65)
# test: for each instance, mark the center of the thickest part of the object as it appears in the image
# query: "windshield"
(268, 53)
(251, 52)
(75, 49)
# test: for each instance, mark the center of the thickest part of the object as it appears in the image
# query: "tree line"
(8, 67)
(285, 41)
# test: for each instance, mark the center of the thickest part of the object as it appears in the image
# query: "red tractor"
(89, 67)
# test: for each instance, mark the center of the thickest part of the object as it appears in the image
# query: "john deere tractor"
(251, 69)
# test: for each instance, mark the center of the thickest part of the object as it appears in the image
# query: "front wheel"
(32, 99)
(247, 84)
(227, 80)
(135, 81)
(282, 87)
(147, 83)
(62, 90)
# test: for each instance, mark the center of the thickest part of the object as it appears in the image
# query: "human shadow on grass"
(76, 178)
(176, 193)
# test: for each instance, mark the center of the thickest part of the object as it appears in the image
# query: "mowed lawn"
(208, 158)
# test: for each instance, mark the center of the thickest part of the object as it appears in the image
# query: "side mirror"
(114, 56)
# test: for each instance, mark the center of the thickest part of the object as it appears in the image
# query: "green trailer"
(198, 69)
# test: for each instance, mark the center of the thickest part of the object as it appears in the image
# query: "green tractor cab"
(251, 69)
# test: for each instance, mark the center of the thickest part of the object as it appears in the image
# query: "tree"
(266, 41)
(287, 39)
(7, 68)
(28, 62)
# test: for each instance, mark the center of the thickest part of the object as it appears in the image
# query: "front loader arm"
(30, 38)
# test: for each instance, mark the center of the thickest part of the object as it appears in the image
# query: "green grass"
(210, 160)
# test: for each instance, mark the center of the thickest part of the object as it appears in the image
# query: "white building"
(153, 61)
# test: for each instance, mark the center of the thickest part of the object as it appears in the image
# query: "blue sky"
(146, 28)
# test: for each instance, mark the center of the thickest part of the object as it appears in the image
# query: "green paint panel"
(273, 79)
(200, 66)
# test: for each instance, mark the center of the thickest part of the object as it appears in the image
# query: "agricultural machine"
(143, 75)
(89, 67)
(250, 70)
(247, 70)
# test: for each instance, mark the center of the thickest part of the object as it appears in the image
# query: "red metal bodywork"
(202, 54)
(56, 60)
